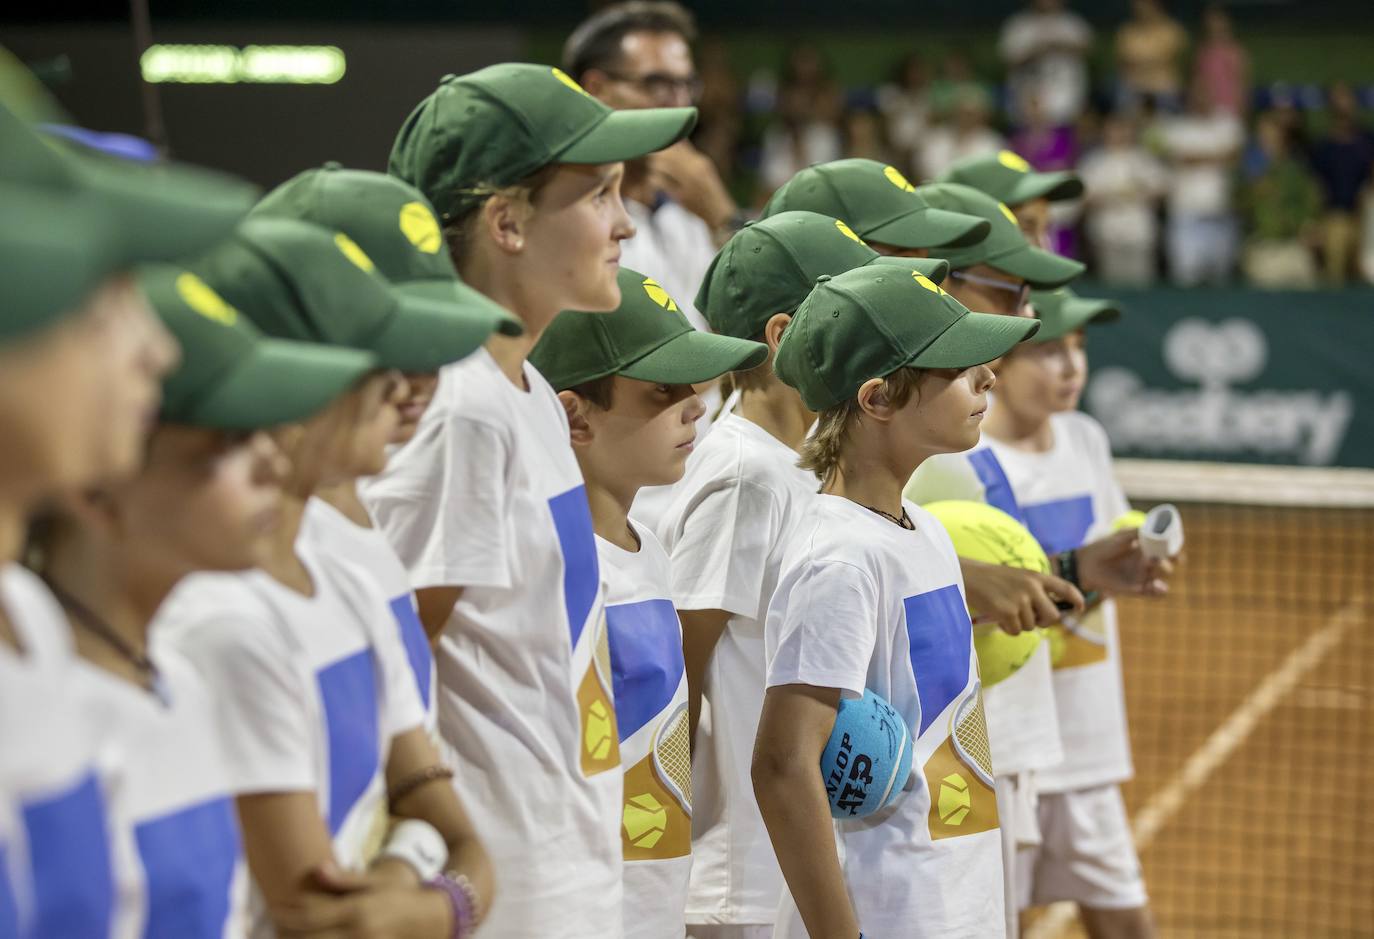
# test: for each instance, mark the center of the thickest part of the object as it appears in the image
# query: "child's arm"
(793, 729)
(701, 630)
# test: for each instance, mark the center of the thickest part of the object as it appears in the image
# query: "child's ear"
(505, 223)
(873, 400)
(579, 428)
(773, 330)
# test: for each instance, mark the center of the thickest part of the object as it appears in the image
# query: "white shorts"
(1086, 853)
(730, 932)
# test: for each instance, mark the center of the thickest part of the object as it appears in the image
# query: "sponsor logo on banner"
(1301, 425)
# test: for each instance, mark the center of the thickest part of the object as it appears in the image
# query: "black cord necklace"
(903, 522)
(97, 626)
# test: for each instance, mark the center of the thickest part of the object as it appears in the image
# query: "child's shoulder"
(1082, 433)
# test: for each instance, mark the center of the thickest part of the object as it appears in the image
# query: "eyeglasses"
(661, 86)
(1021, 290)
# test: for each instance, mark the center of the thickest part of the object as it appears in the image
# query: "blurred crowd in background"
(1193, 173)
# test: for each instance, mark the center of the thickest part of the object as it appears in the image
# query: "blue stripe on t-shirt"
(349, 691)
(646, 660)
(997, 491)
(940, 635)
(69, 852)
(1061, 525)
(572, 519)
(416, 643)
(189, 858)
(9, 909)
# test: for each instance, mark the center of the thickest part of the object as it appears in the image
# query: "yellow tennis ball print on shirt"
(645, 820)
(600, 739)
(954, 802)
(659, 295)
(895, 177)
(597, 734)
(421, 228)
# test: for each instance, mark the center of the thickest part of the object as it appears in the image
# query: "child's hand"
(380, 913)
(1016, 599)
(1116, 564)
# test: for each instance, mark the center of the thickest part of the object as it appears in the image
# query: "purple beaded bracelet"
(462, 898)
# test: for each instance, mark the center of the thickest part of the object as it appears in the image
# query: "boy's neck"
(344, 497)
(281, 560)
(13, 516)
(1018, 431)
(610, 506)
(777, 409)
(119, 588)
(870, 480)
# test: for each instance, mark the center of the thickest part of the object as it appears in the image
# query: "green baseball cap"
(1062, 311)
(1006, 247)
(877, 202)
(645, 338)
(164, 211)
(494, 127)
(396, 227)
(296, 280)
(1007, 177)
(231, 376)
(770, 266)
(871, 321)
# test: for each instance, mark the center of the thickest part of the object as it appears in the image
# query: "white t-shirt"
(1128, 184)
(725, 532)
(308, 691)
(369, 549)
(1052, 49)
(1022, 717)
(66, 869)
(176, 805)
(655, 739)
(1201, 189)
(866, 604)
(1067, 497)
(487, 496)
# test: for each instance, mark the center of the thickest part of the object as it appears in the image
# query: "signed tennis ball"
(983, 533)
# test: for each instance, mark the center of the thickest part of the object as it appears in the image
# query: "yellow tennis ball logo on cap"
(927, 283)
(1013, 161)
(645, 820)
(849, 232)
(895, 177)
(955, 802)
(597, 735)
(568, 80)
(356, 255)
(200, 297)
(1011, 216)
(659, 295)
(421, 228)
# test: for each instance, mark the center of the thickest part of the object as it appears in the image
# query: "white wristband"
(420, 845)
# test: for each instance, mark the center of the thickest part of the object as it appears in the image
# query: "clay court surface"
(1251, 697)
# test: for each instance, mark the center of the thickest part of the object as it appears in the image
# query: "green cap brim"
(466, 302)
(165, 211)
(627, 135)
(934, 270)
(1041, 269)
(280, 383)
(426, 334)
(1075, 314)
(931, 228)
(975, 339)
(693, 357)
(1055, 187)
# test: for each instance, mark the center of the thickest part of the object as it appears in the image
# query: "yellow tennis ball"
(955, 802)
(597, 736)
(645, 820)
(983, 533)
(1132, 519)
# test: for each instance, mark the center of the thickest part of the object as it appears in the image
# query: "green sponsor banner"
(1236, 375)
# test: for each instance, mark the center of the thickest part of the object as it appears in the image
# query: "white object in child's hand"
(1161, 537)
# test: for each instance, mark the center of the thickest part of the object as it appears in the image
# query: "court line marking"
(1161, 807)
